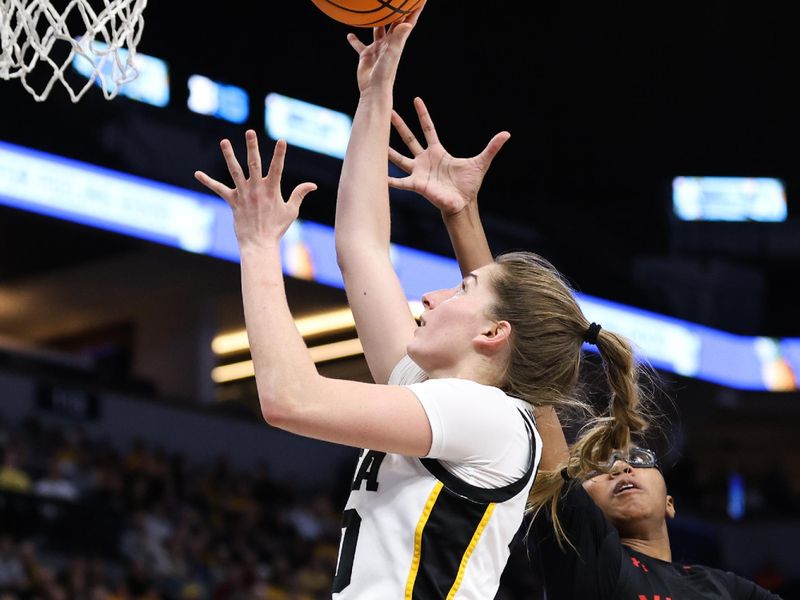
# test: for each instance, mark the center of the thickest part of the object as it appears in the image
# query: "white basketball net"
(36, 43)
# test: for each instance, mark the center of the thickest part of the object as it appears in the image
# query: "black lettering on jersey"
(368, 471)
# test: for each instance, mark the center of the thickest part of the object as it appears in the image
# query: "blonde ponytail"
(624, 417)
(548, 331)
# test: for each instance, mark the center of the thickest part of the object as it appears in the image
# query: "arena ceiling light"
(319, 354)
(215, 99)
(307, 125)
(325, 323)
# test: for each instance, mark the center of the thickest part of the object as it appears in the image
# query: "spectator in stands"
(12, 572)
(54, 485)
(12, 477)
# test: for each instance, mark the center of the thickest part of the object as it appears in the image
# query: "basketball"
(367, 13)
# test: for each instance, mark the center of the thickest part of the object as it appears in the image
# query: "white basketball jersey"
(413, 528)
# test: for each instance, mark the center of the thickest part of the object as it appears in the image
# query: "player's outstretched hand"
(260, 214)
(449, 183)
(378, 61)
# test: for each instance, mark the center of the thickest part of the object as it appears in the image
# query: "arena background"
(106, 339)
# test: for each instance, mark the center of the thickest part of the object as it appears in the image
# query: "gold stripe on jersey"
(473, 542)
(423, 519)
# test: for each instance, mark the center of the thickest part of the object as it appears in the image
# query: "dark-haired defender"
(602, 504)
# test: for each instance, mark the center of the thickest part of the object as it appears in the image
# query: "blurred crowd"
(81, 519)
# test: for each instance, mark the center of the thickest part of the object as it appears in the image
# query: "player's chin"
(421, 352)
(632, 512)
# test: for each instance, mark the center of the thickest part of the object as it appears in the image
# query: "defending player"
(603, 505)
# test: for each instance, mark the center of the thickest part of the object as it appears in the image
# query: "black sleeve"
(743, 589)
(590, 566)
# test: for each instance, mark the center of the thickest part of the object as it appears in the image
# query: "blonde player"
(450, 448)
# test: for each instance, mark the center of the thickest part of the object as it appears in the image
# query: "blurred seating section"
(111, 512)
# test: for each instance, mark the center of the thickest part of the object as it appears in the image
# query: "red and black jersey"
(600, 567)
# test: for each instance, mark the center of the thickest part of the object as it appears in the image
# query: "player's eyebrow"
(468, 275)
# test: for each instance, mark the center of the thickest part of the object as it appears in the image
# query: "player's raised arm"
(384, 322)
(451, 184)
(292, 394)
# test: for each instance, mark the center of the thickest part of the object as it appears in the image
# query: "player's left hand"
(260, 214)
(451, 184)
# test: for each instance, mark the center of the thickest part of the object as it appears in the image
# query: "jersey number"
(351, 523)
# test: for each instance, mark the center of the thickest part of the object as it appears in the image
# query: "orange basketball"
(367, 13)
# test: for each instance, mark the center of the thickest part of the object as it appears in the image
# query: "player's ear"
(670, 512)
(494, 338)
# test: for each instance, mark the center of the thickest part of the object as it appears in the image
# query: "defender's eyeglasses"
(635, 456)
